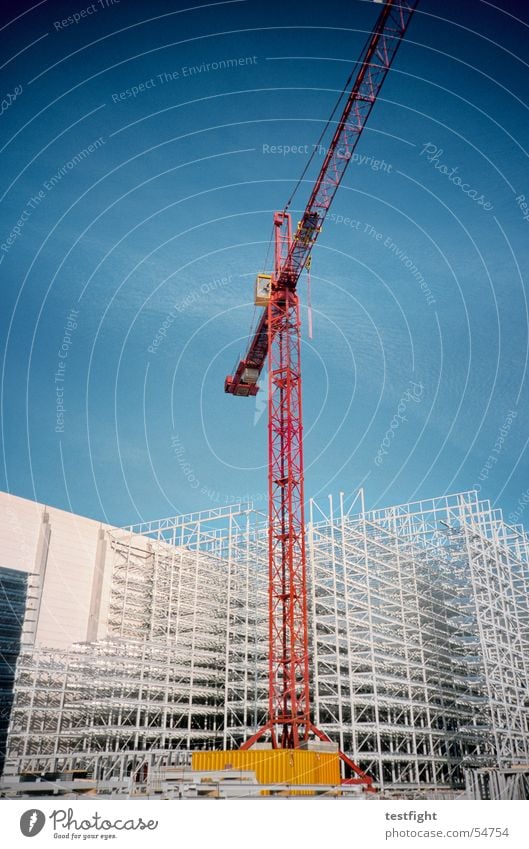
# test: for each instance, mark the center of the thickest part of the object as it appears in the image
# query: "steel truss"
(489, 783)
(420, 637)
(419, 645)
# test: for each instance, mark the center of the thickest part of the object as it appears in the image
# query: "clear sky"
(145, 148)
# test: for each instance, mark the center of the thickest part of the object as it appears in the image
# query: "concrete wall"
(69, 554)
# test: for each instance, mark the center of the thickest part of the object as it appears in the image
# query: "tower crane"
(278, 337)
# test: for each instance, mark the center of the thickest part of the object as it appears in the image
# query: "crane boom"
(374, 64)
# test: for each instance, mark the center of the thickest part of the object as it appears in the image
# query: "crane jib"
(374, 65)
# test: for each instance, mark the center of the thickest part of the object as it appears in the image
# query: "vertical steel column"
(289, 707)
(289, 717)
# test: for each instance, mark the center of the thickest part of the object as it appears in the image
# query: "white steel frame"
(419, 619)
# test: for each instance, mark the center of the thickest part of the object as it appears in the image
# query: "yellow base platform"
(275, 766)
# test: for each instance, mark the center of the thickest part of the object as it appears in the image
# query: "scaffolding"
(420, 638)
(178, 636)
(489, 783)
(419, 625)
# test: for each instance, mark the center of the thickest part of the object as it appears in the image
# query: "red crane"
(278, 337)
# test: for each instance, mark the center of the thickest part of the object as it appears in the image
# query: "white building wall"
(62, 548)
(19, 531)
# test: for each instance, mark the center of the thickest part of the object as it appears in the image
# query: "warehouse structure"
(419, 618)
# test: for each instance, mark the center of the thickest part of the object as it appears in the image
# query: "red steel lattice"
(278, 337)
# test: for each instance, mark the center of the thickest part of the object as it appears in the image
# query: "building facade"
(419, 628)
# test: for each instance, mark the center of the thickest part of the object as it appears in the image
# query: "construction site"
(316, 648)
(419, 641)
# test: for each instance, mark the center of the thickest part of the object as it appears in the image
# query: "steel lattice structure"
(419, 640)
(427, 595)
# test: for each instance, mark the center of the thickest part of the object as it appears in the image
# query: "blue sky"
(137, 194)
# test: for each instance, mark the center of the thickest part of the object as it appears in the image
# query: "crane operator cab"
(263, 290)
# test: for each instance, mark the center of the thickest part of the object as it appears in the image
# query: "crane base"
(274, 766)
(358, 775)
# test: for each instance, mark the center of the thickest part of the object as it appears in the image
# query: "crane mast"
(278, 337)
